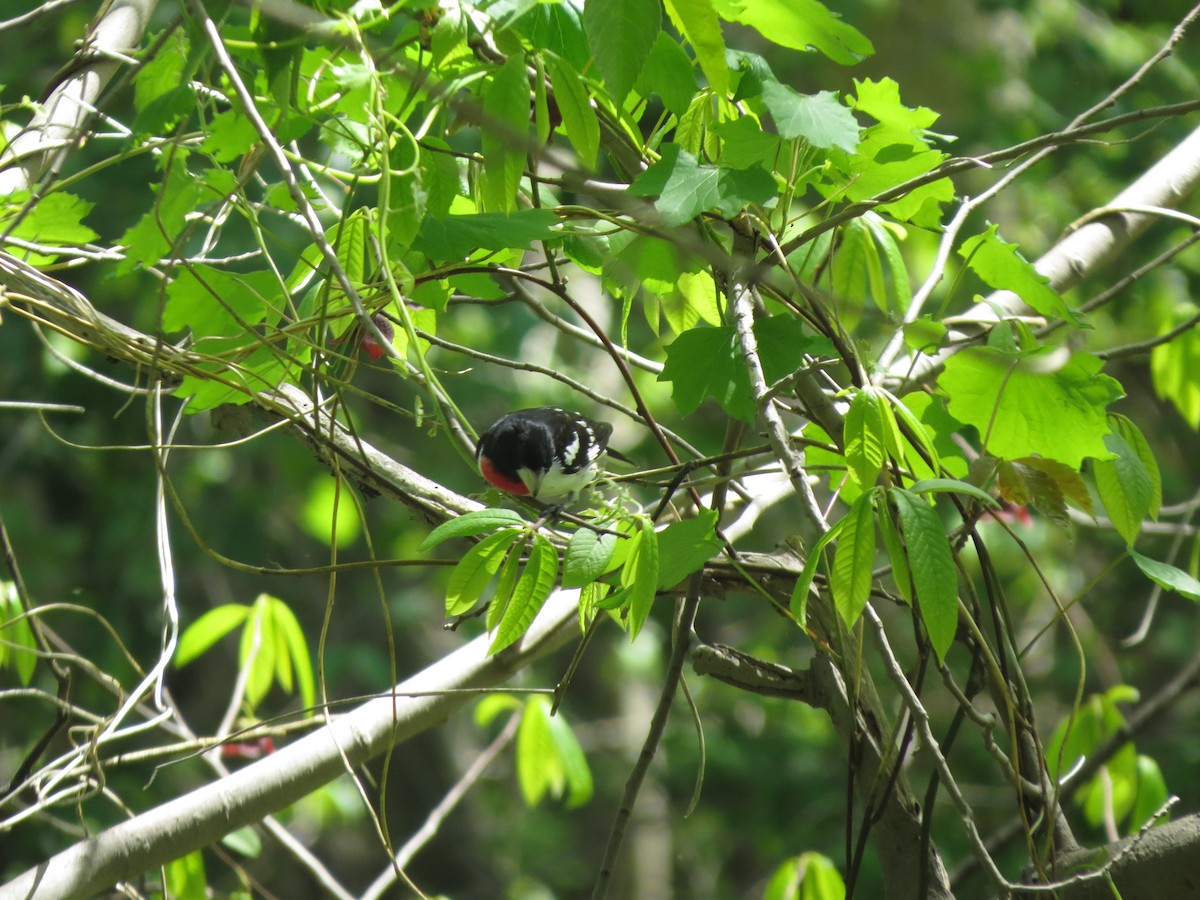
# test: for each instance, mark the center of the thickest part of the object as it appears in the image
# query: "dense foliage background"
(173, 218)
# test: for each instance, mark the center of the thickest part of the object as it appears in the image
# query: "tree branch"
(203, 816)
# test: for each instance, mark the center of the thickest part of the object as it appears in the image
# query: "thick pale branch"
(203, 816)
(64, 117)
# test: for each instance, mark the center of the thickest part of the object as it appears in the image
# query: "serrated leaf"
(1141, 448)
(578, 118)
(799, 599)
(455, 237)
(1125, 487)
(669, 73)
(590, 598)
(901, 573)
(505, 584)
(800, 25)
(684, 547)
(208, 629)
(505, 135)
(573, 761)
(470, 524)
(640, 575)
(952, 486)
(1151, 793)
(897, 299)
(853, 560)
(476, 570)
(533, 586)
(864, 432)
(292, 655)
(697, 21)
(538, 766)
(17, 642)
(621, 34)
(686, 188)
(1002, 266)
(916, 427)
(587, 556)
(931, 564)
(819, 118)
(493, 705)
(257, 651)
(1167, 576)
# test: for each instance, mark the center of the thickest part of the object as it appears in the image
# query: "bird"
(544, 452)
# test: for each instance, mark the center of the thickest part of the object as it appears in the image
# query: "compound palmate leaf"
(931, 567)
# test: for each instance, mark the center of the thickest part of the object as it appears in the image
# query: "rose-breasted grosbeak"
(544, 453)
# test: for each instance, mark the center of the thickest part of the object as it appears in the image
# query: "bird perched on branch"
(545, 452)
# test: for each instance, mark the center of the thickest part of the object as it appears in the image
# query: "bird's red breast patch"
(494, 476)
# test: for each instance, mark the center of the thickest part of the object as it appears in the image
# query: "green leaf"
(901, 572)
(1135, 439)
(895, 300)
(851, 264)
(1025, 406)
(799, 598)
(932, 568)
(881, 100)
(573, 762)
(505, 585)
(1167, 576)
(493, 705)
(640, 575)
(532, 588)
(705, 362)
(809, 876)
(539, 768)
(684, 547)
(864, 432)
(886, 157)
(453, 238)
(587, 556)
(1173, 367)
(820, 118)
(294, 655)
(228, 136)
(800, 25)
(215, 303)
(1151, 793)
(208, 629)
(621, 34)
(178, 196)
(557, 27)
(472, 523)
(745, 144)
(853, 560)
(1126, 489)
(17, 642)
(257, 651)
(697, 21)
(505, 134)
(476, 570)
(185, 878)
(669, 73)
(245, 842)
(578, 118)
(952, 486)
(1002, 266)
(54, 219)
(685, 188)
